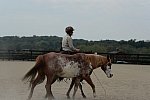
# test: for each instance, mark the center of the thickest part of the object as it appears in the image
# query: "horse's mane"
(95, 60)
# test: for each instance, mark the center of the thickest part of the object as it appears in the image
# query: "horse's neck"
(92, 60)
(94, 66)
(96, 61)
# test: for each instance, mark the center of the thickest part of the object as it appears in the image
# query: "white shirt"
(67, 44)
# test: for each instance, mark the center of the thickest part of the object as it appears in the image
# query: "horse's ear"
(108, 58)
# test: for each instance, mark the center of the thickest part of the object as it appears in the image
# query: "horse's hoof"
(68, 97)
(53, 97)
(73, 98)
(29, 99)
(46, 96)
(84, 97)
(94, 95)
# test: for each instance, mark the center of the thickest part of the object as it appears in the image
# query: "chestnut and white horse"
(54, 65)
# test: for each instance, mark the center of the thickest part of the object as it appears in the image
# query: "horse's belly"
(70, 71)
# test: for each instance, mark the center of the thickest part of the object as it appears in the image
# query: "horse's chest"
(70, 69)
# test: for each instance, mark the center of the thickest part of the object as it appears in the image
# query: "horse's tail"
(31, 74)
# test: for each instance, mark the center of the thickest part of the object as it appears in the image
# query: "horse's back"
(64, 65)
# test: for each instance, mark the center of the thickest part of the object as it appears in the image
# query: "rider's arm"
(70, 43)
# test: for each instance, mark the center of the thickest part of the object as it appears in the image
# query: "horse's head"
(107, 67)
(100, 61)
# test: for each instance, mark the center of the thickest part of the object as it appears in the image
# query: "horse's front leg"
(71, 85)
(89, 81)
(77, 82)
(80, 86)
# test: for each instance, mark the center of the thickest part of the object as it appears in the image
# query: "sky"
(91, 19)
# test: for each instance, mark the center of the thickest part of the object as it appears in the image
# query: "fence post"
(31, 55)
(138, 59)
(8, 54)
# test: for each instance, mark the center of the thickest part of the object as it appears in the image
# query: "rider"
(67, 43)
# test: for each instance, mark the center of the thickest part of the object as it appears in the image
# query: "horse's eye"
(103, 68)
(109, 64)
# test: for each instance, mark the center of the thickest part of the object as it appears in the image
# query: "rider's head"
(69, 30)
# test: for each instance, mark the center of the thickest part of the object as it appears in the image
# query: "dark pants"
(68, 52)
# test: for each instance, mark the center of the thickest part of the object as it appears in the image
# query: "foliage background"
(53, 43)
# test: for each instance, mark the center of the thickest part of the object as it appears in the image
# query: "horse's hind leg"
(77, 82)
(33, 84)
(48, 86)
(55, 78)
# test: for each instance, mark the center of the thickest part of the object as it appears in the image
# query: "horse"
(55, 65)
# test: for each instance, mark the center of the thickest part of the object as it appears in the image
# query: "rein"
(100, 84)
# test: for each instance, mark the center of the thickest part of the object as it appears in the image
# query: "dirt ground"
(130, 82)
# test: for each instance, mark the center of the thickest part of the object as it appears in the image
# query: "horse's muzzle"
(111, 75)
